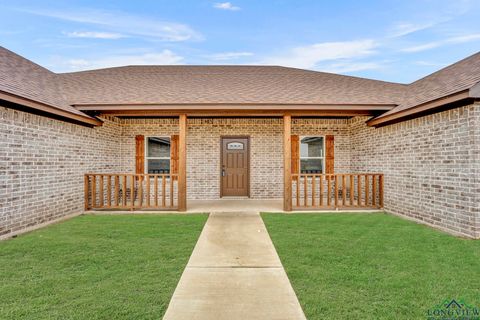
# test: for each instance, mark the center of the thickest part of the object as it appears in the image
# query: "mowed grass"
(97, 267)
(373, 266)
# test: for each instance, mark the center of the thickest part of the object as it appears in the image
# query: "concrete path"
(234, 273)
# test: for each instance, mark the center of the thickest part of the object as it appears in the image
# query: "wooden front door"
(235, 167)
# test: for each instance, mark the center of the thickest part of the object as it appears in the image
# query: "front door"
(235, 167)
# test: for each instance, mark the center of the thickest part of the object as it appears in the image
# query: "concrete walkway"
(234, 273)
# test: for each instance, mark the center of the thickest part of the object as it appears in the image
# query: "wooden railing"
(331, 191)
(131, 191)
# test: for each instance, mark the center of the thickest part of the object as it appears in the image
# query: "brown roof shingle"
(23, 78)
(223, 84)
(452, 79)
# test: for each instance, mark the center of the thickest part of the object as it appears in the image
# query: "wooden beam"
(238, 113)
(287, 163)
(182, 163)
(233, 106)
(419, 110)
(45, 108)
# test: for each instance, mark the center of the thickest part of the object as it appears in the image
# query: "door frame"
(221, 161)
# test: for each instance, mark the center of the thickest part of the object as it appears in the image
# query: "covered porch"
(323, 189)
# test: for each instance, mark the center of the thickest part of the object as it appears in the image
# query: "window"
(157, 155)
(312, 155)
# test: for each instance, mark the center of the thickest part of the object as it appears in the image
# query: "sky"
(396, 40)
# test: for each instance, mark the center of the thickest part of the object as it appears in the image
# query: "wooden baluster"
(297, 181)
(94, 191)
(140, 191)
(117, 178)
(336, 191)
(374, 191)
(132, 191)
(351, 189)
(305, 191)
(124, 196)
(100, 195)
(359, 190)
(156, 190)
(313, 190)
(171, 190)
(329, 188)
(321, 189)
(147, 190)
(109, 191)
(86, 191)
(344, 190)
(163, 190)
(367, 190)
(380, 186)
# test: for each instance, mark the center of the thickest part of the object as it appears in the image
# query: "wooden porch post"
(287, 163)
(182, 163)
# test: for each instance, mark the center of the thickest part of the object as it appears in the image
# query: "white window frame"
(157, 158)
(300, 158)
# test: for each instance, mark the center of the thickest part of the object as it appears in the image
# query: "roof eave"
(48, 109)
(421, 109)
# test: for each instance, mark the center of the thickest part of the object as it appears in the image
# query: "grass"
(96, 267)
(373, 266)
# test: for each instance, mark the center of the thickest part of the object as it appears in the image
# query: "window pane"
(311, 166)
(311, 147)
(158, 166)
(158, 147)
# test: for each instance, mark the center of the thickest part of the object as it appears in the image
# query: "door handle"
(223, 172)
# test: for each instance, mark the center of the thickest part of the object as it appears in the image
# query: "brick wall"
(42, 162)
(266, 149)
(431, 166)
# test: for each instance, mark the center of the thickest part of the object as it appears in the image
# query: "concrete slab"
(235, 205)
(234, 240)
(234, 293)
(234, 273)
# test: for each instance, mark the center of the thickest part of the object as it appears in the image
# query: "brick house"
(157, 137)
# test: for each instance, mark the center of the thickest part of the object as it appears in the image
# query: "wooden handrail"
(337, 190)
(130, 191)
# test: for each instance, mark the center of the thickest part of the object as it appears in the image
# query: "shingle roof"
(224, 84)
(455, 78)
(23, 78)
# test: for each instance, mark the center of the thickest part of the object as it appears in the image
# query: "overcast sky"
(398, 41)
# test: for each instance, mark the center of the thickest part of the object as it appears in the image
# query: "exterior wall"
(431, 166)
(266, 149)
(42, 163)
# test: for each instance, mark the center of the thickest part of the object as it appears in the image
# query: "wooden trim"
(295, 140)
(239, 113)
(329, 154)
(419, 110)
(233, 106)
(221, 160)
(174, 154)
(48, 109)
(139, 154)
(182, 163)
(287, 163)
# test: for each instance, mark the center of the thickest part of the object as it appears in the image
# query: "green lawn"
(96, 267)
(373, 266)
